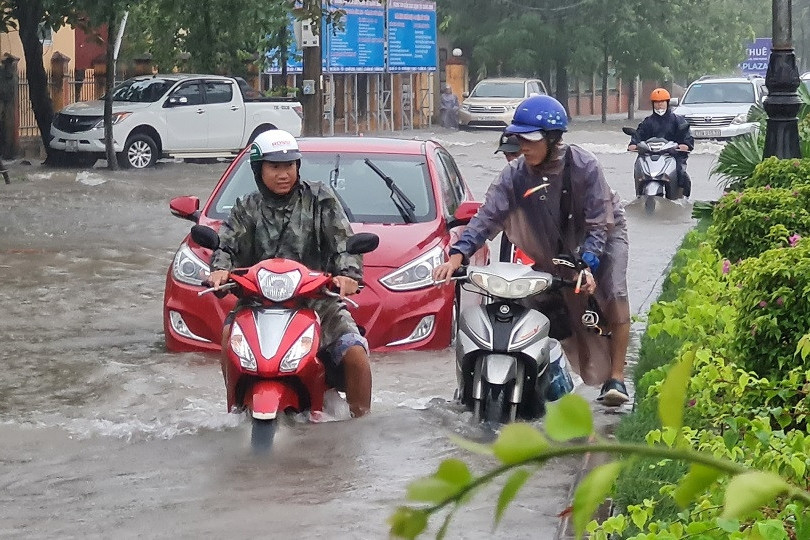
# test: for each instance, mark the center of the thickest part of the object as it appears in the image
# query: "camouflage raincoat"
(307, 225)
(534, 224)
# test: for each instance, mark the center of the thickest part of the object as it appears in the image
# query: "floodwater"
(105, 434)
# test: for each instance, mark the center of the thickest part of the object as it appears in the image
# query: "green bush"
(749, 223)
(780, 173)
(773, 310)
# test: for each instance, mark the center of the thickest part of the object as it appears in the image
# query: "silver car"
(493, 101)
(717, 107)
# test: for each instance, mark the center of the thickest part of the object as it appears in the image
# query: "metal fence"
(78, 86)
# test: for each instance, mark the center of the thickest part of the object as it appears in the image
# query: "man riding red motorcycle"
(302, 221)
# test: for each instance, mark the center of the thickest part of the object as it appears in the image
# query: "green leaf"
(695, 482)
(510, 489)
(431, 489)
(591, 492)
(569, 418)
(673, 392)
(454, 471)
(472, 446)
(748, 491)
(407, 522)
(519, 442)
(728, 525)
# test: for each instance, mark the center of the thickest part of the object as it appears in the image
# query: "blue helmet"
(539, 113)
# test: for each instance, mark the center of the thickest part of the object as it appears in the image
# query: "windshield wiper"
(402, 202)
(333, 176)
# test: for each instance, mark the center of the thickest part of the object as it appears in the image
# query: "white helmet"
(274, 145)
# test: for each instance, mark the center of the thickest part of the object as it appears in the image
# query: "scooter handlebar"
(346, 299)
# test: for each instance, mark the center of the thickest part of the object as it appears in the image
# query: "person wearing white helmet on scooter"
(297, 219)
(554, 200)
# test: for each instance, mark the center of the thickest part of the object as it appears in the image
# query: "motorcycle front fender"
(654, 188)
(499, 368)
(265, 399)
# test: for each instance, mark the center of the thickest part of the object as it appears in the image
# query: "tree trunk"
(112, 161)
(29, 15)
(282, 51)
(631, 99)
(312, 104)
(604, 85)
(561, 90)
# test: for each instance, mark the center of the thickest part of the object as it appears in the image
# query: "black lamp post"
(782, 79)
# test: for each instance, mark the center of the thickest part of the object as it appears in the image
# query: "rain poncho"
(534, 224)
(449, 110)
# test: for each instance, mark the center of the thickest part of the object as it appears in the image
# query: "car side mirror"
(186, 208)
(205, 237)
(464, 213)
(628, 131)
(175, 100)
(360, 243)
(673, 102)
(465, 95)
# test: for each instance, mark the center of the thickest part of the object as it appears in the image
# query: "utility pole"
(312, 95)
(782, 79)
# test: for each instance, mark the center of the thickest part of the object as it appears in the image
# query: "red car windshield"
(364, 195)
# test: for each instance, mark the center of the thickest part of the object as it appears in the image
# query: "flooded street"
(105, 434)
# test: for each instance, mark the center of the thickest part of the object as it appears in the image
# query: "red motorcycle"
(273, 364)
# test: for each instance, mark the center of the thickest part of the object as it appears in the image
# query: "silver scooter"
(655, 171)
(507, 366)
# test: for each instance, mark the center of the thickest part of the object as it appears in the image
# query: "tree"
(29, 16)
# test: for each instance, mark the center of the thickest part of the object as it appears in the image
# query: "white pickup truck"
(175, 115)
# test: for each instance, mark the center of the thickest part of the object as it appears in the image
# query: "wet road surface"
(104, 434)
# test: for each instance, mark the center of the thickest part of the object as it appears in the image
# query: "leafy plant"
(738, 160)
(773, 309)
(747, 224)
(785, 173)
(521, 449)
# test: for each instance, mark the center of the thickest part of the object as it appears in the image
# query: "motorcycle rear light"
(299, 350)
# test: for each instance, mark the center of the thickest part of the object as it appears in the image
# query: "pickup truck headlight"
(416, 274)
(465, 107)
(188, 268)
(116, 118)
(741, 118)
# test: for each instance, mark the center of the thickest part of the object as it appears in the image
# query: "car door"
(185, 118)
(226, 115)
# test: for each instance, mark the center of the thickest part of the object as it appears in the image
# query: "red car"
(400, 308)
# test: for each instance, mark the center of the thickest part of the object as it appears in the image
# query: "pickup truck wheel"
(140, 152)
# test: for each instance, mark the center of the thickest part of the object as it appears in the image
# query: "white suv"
(717, 108)
(492, 102)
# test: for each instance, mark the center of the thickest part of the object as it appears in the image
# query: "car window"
(730, 92)
(218, 92)
(534, 88)
(454, 174)
(449, 193)
(192, 91)
(141, 91)
(363, 193)
(498, 89)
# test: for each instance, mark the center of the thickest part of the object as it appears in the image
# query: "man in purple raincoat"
(545, 215)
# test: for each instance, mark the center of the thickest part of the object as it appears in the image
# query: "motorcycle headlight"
(416, 274)
(188, 268)
(241, 348)
(300, 349)
(497, 286)
(278, 287)
(741, 118)
(116, 118)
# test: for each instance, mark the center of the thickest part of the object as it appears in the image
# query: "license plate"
(706, 133)
(71, 146)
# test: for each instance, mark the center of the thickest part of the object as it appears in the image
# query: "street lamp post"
(782, 79)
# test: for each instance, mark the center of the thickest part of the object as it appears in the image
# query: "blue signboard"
(411, 36)
(360, 46)
(757, 55)
(295, 62)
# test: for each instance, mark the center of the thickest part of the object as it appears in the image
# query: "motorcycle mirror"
(628, 131)
(205, 236)
(362, 243)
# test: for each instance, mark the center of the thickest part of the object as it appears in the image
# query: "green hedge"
(773, 309)
(784, 173)
(747, 224)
